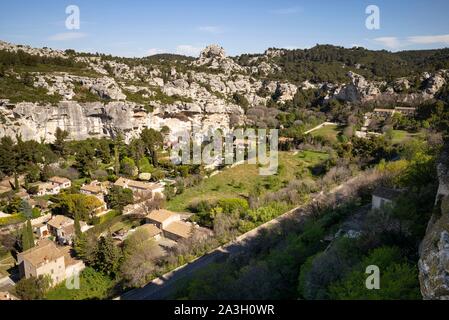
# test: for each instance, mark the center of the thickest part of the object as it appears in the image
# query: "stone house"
(139, 187)
(63, 183)
(47, 259)
(162, 218)
(63, 229)
(384, 196)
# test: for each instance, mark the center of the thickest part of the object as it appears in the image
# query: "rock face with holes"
(434, 250)
(95, 120)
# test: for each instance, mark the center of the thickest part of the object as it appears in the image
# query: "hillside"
(95, 95)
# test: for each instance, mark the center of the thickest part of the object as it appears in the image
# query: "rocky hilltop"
(214, 91)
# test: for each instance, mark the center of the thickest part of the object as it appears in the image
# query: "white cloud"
(67, 36)
(211, 29)
(153, 51)
(394, 42)
(444, 38)
(389, 42)
(286, 11)
(188, 50)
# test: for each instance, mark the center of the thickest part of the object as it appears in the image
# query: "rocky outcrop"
(64, 84)
(95, 120)
(214, 57)
(435, 82)
(434, 250)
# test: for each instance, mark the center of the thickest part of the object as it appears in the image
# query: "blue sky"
(140, 28)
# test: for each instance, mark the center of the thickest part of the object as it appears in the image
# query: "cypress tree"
(16, 182)
(77, 226)
(27, 236)
(30, 233)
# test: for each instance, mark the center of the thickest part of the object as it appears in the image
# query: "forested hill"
(323, 63)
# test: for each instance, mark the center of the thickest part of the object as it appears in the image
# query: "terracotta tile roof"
(46, 250)
(92, 188)
(124, 183)
(180, 228)
(60, 222)
(151, 228)
(160, 215)
(59, 180)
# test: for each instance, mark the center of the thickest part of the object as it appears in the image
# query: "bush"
(93, 285)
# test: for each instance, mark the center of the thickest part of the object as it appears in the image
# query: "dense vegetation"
(323, 63)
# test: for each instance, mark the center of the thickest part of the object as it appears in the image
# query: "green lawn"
(400, 136)
(329, 132)
(240, 181)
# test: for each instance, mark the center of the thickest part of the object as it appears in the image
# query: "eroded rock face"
(435, 82)
(358, 90)
(215, 57)
(434, 250)
(95, 120)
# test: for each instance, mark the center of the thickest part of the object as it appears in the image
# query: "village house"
(101, 210)
(384, 196)
(383, 112)
(63, 229)
(47, 188)
(171, 224)
(162, 218)
(46, 258)
(153, 231)
(94, 188)
(63, 183)
(407, 111)
(42, 230)
(139, 187)
(178, 230)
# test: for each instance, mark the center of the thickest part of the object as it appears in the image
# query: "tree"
(33, 288)
(107, 256)
(26, 209)
(27, 236)
(118, 198)
(139, 262)
(398, 279)
(76, 205)
(78, 232)
(14, 205)
(60, 144)
(118, 151)
(128, 167)
(152, 140)
(7, 155)
(85, 159)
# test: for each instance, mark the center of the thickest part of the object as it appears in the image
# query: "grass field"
(400, 136)
(329, 132)
(240, 180)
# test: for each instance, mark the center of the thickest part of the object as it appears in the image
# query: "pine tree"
(107, 255)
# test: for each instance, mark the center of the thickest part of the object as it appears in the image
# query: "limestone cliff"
(434, 250)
